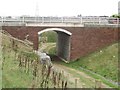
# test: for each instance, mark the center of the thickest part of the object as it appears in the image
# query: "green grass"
(103, 62)
(0, 60)
(0, 68)
(13, 76)
(51, 36)
(52, 51)
(18, 70)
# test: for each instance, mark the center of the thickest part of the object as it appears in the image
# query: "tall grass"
(103, 62)
(22, 68)
(52, 51)
(0, 59)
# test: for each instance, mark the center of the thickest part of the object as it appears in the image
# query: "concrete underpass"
(63, 42)
(63, 45)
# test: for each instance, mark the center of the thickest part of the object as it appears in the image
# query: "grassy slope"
(16, 76)
(11, 74)
(0, 61)
(104, 63)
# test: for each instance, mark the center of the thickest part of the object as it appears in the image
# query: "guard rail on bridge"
(87, 21)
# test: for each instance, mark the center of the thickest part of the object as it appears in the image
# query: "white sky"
(58, 7)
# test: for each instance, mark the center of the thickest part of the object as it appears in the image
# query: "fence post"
(76, 82)
(42, 19)
(81, 19)
(97, 84)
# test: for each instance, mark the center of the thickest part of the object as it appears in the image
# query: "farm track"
(83, 80)
(46, 47)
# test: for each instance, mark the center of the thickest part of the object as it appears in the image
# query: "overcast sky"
(58, 7)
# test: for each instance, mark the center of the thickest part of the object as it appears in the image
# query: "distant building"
(119, 7)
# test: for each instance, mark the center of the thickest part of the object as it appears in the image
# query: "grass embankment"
(0, 60)
(12, 75)
(103, 63)
(21, 67)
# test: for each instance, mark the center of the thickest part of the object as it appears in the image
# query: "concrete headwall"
(83, 40)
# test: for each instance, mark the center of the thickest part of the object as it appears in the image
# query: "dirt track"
(83, 80)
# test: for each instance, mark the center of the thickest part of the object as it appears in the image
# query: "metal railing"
(71, 20)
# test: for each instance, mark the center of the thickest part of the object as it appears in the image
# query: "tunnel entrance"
(62, 42)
